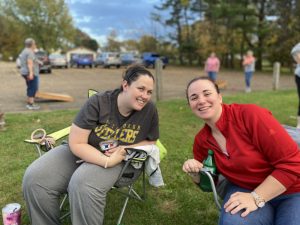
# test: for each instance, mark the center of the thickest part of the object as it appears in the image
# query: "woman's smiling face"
(204, 100)
(139, 92)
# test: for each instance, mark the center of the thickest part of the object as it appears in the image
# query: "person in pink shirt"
(212, 66)
(252, 151)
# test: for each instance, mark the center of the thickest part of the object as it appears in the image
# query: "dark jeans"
(282, 210)
(32, 85)
(248, 77)
(212, 75)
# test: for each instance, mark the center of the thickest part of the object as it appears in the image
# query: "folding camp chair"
(43, 142)
(206, 172)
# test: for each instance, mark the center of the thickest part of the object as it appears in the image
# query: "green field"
(179, 202)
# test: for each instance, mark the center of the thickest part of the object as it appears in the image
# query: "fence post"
(276, 75)
(158, 79)
(2, 121)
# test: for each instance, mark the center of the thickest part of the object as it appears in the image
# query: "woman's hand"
(192, 166)
(111, 151)
(116, 156)
(240, 201)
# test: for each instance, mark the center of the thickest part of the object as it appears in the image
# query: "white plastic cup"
(11, 214)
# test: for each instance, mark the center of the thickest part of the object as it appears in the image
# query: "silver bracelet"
(106, 162)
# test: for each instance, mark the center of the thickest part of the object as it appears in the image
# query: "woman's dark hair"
(200, 78)
(133, 72)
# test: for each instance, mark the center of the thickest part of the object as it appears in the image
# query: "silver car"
(108, 59)
(58, 60)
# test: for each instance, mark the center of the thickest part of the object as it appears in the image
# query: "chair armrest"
(136, 155)
(55, 135)
(60, 134)
(135, 150)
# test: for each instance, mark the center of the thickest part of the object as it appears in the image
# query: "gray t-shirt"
(101, 115)
(26, 54)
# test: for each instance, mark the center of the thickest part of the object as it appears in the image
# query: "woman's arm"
(30, 68)
(270, 188)
(267, 190)
(218, 65)
(78, 141)
(248, 60)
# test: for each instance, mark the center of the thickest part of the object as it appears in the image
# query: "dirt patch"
(76, 82)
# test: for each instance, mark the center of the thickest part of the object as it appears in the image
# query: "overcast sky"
(130, 18)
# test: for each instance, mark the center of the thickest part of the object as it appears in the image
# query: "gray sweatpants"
(57, 172)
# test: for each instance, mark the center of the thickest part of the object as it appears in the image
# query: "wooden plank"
(54, 96)
(222, 84)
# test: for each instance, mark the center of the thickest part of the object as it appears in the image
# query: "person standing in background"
(29, 70)
(296, 55)
(212, 66)
(249, 68)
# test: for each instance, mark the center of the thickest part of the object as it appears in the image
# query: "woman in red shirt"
(253, 151)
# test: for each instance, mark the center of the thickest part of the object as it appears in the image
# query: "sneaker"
(32, 107)
(248, 90)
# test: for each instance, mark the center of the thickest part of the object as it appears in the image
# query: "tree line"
(231, 27)
(270, 28)
(47, 21)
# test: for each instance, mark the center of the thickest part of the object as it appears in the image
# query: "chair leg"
(133, 193)
(63, 201)
(65, 216)
(38, 148)
(136, 195)
(144, 183)
(124, 205)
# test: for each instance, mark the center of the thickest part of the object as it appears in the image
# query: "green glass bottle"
(210, 165)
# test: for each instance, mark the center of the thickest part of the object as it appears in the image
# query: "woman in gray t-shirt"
(125, 115)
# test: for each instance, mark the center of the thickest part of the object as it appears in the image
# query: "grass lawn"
(179, 202)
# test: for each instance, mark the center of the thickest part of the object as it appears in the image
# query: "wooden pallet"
(54, 96)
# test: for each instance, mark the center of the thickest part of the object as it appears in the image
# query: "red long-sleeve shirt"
(257, 146)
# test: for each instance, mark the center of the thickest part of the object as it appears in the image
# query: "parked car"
(108, 59)
(129, 58)
(43, 57)
(82, 60)
(149, 58)
(99, 60)
(58, 60)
